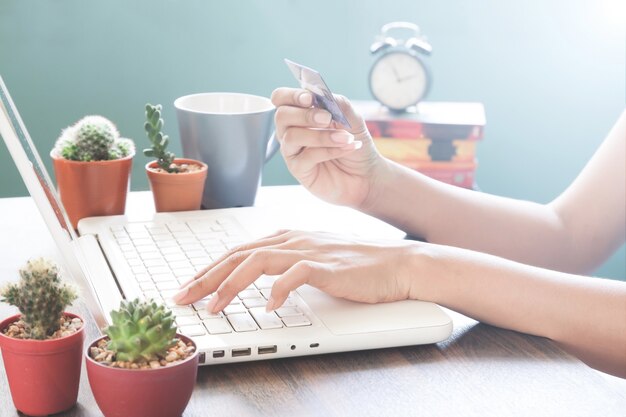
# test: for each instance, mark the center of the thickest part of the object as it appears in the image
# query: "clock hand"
(395, 73)
(408, 77)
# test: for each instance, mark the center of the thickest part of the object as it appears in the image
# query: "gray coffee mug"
(233, 134)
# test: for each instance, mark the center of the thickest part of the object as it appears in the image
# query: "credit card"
(311, 80)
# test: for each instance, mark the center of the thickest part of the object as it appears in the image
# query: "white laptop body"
(107, 268)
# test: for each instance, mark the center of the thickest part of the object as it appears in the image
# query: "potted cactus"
(177, 184)
(42, 346)
(142, 367)
(92, 164)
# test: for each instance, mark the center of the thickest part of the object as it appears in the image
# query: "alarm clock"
(399, 78)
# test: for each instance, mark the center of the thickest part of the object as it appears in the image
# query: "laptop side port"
(314, 345)
(218, 353)
(241, 352)
(267, 349)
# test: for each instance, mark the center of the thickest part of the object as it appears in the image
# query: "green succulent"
(93, 138)
(141, 330)
(41, 297)
(159, 140)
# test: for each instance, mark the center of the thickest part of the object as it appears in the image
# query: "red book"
(430, 120)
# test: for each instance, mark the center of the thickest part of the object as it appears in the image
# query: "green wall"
(550, 73)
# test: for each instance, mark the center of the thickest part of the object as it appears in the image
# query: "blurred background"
(550, 73)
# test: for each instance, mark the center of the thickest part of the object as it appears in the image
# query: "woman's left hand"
(341, 266)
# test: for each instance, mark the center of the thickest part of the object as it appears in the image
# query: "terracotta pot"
(162, 392)
(177, 192)
(43, 374)
(96, 188)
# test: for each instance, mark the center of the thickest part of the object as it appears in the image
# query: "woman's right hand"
(334, 163)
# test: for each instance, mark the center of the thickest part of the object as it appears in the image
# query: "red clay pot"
(95, 188)
(43, 374)
(177, 192)
(162, 392)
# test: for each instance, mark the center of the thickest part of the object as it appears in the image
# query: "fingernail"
(305, 99)
(212, 303)
(342, 137)
(271, 304)
(357, 144)
(180, 295)
(322, 117)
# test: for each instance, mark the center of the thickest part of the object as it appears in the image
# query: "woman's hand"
(335, 164)
(350, 268)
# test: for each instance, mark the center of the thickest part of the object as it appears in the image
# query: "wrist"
(380, 179)
(421, 270)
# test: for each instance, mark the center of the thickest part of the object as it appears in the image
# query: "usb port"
(314, 345)
(241, 352)
(218, 353)
(267, 349)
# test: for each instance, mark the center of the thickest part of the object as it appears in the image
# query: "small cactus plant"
(40, 296)
(141, 331)
(93, 138)
(154, 124)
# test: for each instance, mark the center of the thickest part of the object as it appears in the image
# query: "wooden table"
(480, 371)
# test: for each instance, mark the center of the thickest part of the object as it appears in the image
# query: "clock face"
(398, 80)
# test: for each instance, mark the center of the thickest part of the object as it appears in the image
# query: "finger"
(301, 273)
(273, 239)
(355, 119)
(285, 96)
(287, 116)
(297, 138)
(306, 160)
(269, 262)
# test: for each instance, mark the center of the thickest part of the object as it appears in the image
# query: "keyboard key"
(155, 262)
(170, 243)
(187, 320)
(254, 302)
(143, 278)
(147, 248)
(201, 304)
(143, 242)
(193, 330)
(288, 311)
(249, 294)
(163, 277)
(266, 293)
(186, 273)
(139, 269)
(196, 254)
(173, 257)
(183, 311)
(242, 322)
(168, 285)
(180, 264)
(217, 326)
(151, 255)
(134, 262)
(152, 295)
(266, 320)
(234, 309)
(204, 315)
(158, 270)
(176, 227)
(147, 286)
(264, 281)
(296, 321)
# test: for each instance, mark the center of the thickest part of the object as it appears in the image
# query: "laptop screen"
(28, 161)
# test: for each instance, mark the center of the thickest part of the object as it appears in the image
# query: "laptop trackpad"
(348, 317)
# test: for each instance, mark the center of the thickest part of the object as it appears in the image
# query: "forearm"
(520, 230)
(585, 315)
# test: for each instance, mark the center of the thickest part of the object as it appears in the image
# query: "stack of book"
(438, 139)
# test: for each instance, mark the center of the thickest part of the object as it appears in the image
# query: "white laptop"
(116, 257)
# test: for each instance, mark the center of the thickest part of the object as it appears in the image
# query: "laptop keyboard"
(162, 256)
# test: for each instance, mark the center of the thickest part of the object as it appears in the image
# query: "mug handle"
(272, 147)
